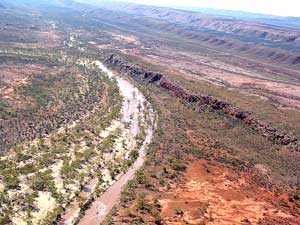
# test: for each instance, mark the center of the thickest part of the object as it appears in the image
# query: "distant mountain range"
(115, 5)
(31, 4)
(277, 29)
(270, 19)
(279, 20)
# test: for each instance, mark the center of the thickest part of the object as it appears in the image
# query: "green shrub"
(140, 177)
(178, 166)
(43, 181)
(29, 168)
(134, 155)
(12, 181)
(128, 192)
(142, 202)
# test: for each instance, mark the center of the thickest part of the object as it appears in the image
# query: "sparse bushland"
(59, 162)
(50, 101)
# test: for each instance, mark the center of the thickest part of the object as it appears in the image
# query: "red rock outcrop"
(134, 71)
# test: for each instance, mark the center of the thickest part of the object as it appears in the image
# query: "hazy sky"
(273, 7)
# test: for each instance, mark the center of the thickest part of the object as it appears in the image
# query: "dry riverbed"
(137, 125)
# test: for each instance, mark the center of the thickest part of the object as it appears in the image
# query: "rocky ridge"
(141, 75)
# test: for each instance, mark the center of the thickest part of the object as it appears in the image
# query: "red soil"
(217, 195)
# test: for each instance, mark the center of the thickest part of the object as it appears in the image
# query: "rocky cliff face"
(141, 75)
(134, 71)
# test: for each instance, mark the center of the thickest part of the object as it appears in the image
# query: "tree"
(142, 202)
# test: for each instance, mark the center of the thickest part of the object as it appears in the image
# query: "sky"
(272, 7)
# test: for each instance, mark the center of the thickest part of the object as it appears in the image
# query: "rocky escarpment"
(134, 71)
(141, 75)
